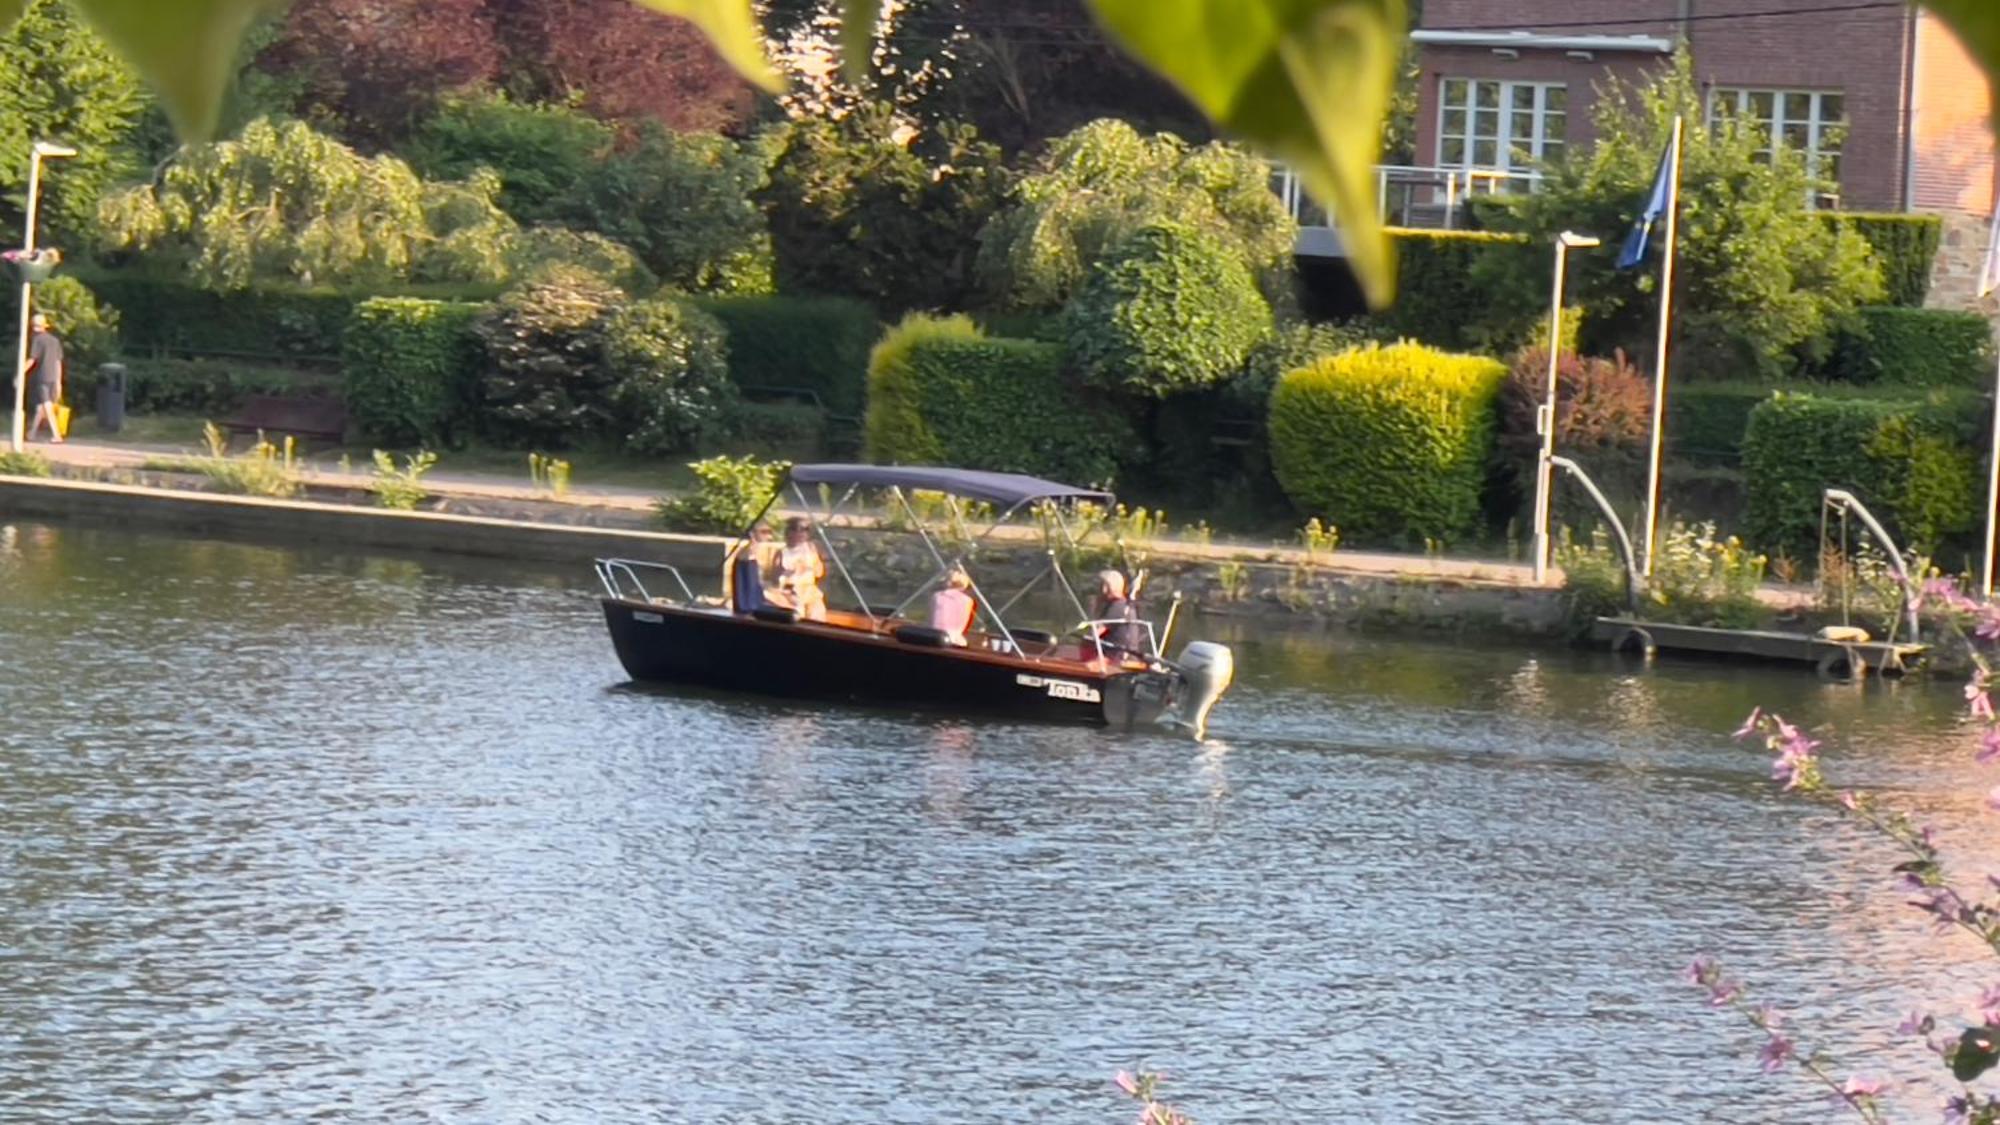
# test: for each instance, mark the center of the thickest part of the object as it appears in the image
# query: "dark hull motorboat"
(897, 664)
(1106, 672)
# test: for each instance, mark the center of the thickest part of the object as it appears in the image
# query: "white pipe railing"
(1410, 195)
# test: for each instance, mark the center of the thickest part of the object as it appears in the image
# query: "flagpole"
(1660, 356)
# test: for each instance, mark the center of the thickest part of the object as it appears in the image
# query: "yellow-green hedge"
(1388, 443)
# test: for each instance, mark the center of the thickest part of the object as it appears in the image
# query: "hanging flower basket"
(33, 267)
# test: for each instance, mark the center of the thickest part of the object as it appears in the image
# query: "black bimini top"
(1006, 489)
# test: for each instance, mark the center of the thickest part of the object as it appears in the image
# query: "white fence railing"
(1410, 195)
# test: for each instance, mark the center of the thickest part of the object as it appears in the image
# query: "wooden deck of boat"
(1832, 657)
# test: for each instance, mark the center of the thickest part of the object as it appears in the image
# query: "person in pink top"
(952, 607)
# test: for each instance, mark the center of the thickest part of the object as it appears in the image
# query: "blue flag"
(1657, 202)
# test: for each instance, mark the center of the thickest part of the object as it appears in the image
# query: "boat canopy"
(1008, 489)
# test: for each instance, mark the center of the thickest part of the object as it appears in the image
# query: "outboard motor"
(1208, 667)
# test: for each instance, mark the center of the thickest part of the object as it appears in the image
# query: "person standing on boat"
(45, 377)
(952, 607)
(800, 569)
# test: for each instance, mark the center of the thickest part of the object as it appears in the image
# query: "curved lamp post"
(1545, 415)
(43, 151)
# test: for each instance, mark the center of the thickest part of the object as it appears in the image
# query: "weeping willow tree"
(1105, 181)
(285, 203)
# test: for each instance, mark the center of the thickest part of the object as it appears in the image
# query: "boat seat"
(922, 635)
(1034, 637)
(776, 614)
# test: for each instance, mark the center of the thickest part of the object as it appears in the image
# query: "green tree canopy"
(1175, 309)
(870, 205)
(1104, 181)
(1761, 279)
(64, 85)
(285, 202)
(684, 203)
(542, 153)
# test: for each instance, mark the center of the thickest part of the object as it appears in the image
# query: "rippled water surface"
(292, 834)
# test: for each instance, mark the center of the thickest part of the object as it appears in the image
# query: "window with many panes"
(1510, 126)
(1806, 121)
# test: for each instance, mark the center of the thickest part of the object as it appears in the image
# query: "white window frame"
(1504, 142)
(1819, 127)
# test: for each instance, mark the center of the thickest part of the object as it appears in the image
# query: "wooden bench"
(302, 418)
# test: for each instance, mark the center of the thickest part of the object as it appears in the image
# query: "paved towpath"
(83, 453)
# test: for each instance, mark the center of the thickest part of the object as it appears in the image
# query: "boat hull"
(810, 661)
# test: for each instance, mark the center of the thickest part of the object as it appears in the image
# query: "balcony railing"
(1410, 195)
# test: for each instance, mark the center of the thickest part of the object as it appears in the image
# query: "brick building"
(1880, 97)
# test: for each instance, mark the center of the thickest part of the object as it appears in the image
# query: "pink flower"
(1775, 1051)
(1859, 1087)
(1849, 801)
(1977, 701)
(1916, 1023)
(1749, 726)
(1993, 799)
(1989, 745)
(1127, 1083)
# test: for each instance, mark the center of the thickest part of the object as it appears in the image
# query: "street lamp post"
(1545, 415)
(43, 151)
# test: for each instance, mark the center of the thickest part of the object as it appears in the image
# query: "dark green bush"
(1905, 246)
(1172, 309)
(1292, 346)
(940, 392)
(792, 429)
(213, 388)
(818, 344)
(544, 154)
(162, 315)
(1705, 421)
(669, 372)
(1916, 347)
(1906, 460)
(410, 369)
(544, 382)
(1439, 301)
(1388, 442)
(88, 327)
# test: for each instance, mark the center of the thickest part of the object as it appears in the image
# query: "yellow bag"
(62, 419)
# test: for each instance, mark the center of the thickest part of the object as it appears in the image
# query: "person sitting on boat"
(1121, 617)
(749, 570)
(800, 569)
(952, 607)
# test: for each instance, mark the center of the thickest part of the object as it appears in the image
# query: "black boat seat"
(1034, 637)
(921, 635)
(776, 614)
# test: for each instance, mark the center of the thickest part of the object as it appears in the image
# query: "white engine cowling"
(1209, 668)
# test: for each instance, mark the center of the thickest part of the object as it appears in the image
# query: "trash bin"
(110, 397)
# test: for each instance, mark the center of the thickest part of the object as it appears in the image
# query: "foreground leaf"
(1308, 81)
(732, 27)
(858, 19)
(10, 10)
(1977, 23)
(185, 48)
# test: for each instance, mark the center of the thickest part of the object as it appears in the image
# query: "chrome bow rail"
(620, 579)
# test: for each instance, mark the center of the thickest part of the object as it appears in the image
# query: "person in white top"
(952, 607)
(800, 569)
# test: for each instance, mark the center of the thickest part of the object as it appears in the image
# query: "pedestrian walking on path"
(45, 377)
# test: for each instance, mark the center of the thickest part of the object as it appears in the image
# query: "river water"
(292, 834)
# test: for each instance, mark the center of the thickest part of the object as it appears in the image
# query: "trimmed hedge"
(814, 343)
(163, 316)
(1438, 300)
(1916, 348)
(411, 369)
(1388, 442)
(1907, 460)
(213, 388)
(1905, 245)
(941, 392)
(1705, 421)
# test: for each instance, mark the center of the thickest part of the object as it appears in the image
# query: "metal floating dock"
(1840, 660)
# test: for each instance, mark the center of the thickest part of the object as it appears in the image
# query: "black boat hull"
(811, 661)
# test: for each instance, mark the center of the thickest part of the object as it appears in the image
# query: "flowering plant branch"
(1143, 1088)
(1796, 765)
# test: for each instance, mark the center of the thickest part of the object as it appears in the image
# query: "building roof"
(1649, 44)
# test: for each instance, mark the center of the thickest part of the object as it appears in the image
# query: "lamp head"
(49, 150)
(1575, 241)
